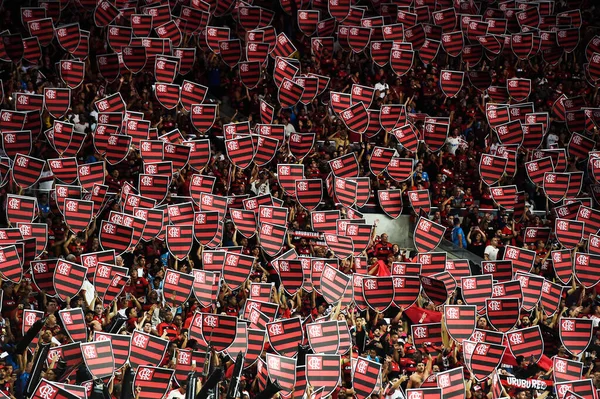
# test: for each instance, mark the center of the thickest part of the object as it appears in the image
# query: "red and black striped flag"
(120, 344)
(192, 93)
(134, 58)
(68, 37)
(492, 168)
(179, 240)
(537, 168)
(104, 13)
(240, 151)
(333, 283)
(78, 214)
(429, 334)
(39, 231)
(476, 289)
(272, 215)
(185, 363)
(272, 237)
(287, 174)
(345, 166)
(565, 370)
(502, 270)
(569, 233)
(380, 159)
(99, 358)
(552, 295)
(484, 358)
(435, 134)
(518, 89)
(68, 278)
(556, 185)
(452, 383)
(285, 335)
(576, 389)
(292, 275)
(365, 377)
(206, 286)
(236, 269)
(531, 288)
(527, 342)
(323, 371)
(203, 117)
(510, 133)
(177, 287)
(154, 186)
(289, 93)
(20, 209)
(427, 235)
(153, 381)
(206, 225)
(575, 334)
(64, 169)
(502, 313)
(301, 144)
(167, 95)
(345, 191)
(424, 393)
(146, 349)
(218, 330)
(11, 264)
(522, 259)
(74, 323)
(42, 272)
(27, 170)
(378, 292)
(401, 60)
(71, 73)
(420, 201)
(283, 370)
(46, 389)
(309, 193)
(460, 321)
(341, 246)
(400, 169)
(585, 269)
(451, 82)
(154, 221)
(115, 237)
(435, 289)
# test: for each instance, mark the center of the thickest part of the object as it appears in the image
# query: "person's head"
(147, 327)
(420, 367)
(131, 312)
(168, 316)
(384, 238)
(494, 242)
(525, 321)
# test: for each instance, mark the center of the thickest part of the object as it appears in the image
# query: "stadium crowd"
(460, 200)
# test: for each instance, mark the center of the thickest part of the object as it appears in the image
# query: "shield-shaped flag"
(224, 327)
(526, 342)
(74, 323)
(492, 168)
(333, 283)
(378, 292)
(99, 358)
(323, 371)
(460, 321)
(179, 240)
(585, 269)
(177, 287)
(153, 381)
(146, 349)
(428, 235)
(120, 344)
(68, 279)
(476, 289)
(285, 335)
(365, 377)
(115, 237)
(575, 334)
(485, 358)
(502, 313)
